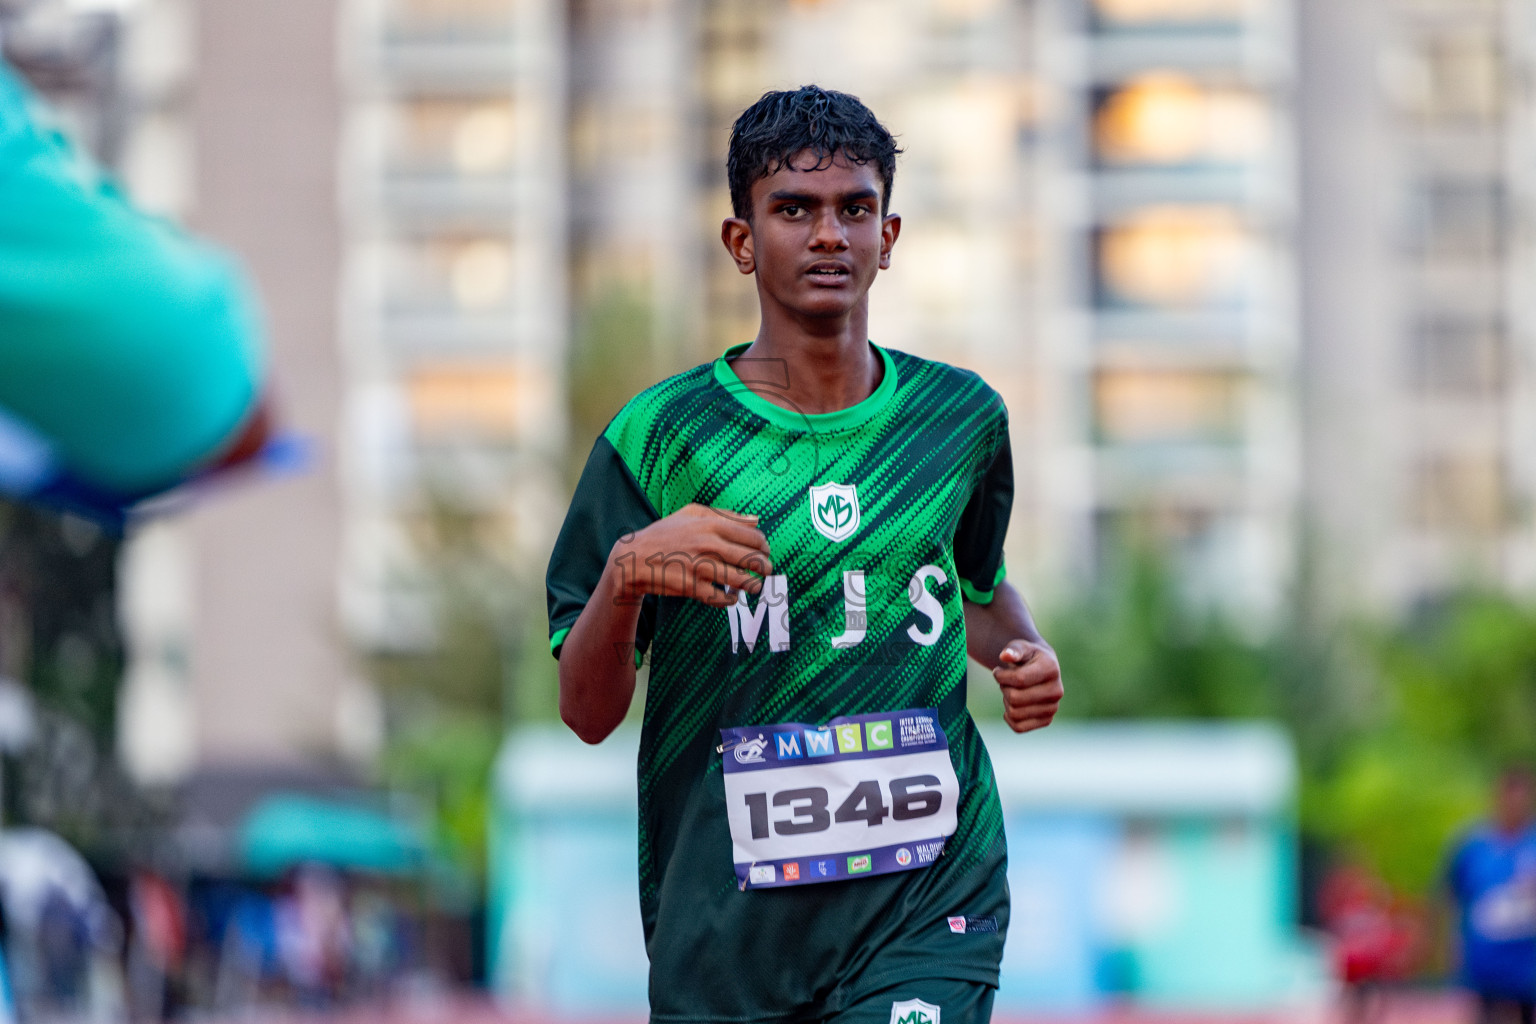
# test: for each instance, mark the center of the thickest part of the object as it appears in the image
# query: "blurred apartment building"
(1416, 254)
(1098, 203)
(1246, 271)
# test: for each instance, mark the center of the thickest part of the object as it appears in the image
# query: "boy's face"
(1513, 798)
(816, 238)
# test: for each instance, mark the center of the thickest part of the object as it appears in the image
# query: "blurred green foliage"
(1455, 690)
(448, 702)
(612, 359)
(1400, 727)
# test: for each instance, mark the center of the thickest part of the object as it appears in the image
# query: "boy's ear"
(736, 233)
(890, 230)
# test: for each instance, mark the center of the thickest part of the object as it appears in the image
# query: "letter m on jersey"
(772, 606)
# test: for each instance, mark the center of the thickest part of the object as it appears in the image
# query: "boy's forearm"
(991, 627)
(597, 663)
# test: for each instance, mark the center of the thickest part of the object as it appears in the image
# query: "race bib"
(861, 796)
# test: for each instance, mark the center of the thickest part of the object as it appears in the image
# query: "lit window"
(1454, 77)
(484, 400)
(1168, 119)
(449, 274)
(482, 274)
(1137, 13)
(1141, 406)
(469, 137)
(1460, 494)
(602, 134)
(1177, 257)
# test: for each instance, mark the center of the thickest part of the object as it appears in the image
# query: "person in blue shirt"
(1492, 879)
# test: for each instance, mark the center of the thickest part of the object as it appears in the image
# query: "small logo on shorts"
(914, 1011)
(903, 856)
(863, 862)
(762, 874)
(973, 925)
(792, 871)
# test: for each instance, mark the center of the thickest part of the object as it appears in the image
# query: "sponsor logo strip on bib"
(860, 796)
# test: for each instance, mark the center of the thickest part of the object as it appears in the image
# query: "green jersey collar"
(791, 419)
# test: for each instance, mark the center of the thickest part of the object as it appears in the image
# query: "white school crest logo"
(914, 1011)
(835, 510)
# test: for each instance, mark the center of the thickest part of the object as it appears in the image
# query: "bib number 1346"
(809, 809)
(859, 796)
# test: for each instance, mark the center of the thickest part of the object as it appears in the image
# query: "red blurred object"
(161, 920)
(1377, 936)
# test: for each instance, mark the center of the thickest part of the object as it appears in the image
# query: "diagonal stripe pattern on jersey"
(865, 624)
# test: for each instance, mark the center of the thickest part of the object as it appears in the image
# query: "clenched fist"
(1030, 678)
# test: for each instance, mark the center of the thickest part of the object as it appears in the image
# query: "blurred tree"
(612, 358)
(448, 704)
(1133, 647)
(1455, 699)
(1400, 728)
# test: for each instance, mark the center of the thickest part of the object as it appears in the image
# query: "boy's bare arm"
(1003, 637)
(697, 552)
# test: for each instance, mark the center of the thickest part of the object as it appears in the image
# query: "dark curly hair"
(782, 125)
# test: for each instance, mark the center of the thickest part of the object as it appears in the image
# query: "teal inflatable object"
(286, 830)
(131, 355)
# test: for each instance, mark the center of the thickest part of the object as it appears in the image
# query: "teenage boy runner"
(807, 534)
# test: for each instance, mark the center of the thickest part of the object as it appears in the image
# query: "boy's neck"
(827, 368)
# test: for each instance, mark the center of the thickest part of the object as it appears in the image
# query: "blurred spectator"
(1376, 938)
(63, 939)
(248, 955)
(1492, 879)
(157, 947)
(314, 936)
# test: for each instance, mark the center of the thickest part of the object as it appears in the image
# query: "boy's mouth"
(828, 272)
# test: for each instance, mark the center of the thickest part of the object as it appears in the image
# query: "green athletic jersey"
(912, 487)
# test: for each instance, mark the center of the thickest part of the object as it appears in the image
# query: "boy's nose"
(829, 231)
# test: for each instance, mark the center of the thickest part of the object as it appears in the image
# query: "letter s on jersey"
(925, 603)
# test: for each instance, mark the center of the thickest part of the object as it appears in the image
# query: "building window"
(1153, 406)
(1460, 494)
(1454, 77)
(469, 20)
(448, 274)
(1177, 257)
(1168, 119)
(473, 401)
(1457, 219)
(1133, 14)
(450, 136)
(1458, 355)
